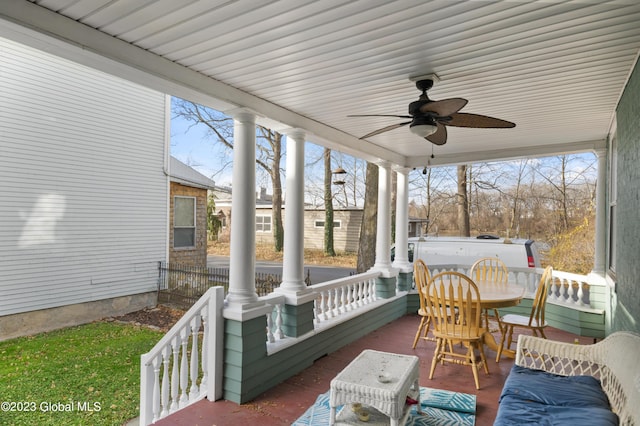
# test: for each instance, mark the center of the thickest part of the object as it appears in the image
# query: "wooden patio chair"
(421, 276)
(490, 270)
(534, 322)
(453, 302)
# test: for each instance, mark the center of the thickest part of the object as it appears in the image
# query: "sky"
(195, 147)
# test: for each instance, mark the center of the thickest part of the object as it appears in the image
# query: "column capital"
(384, 164)
(600, 152)
(295, 133)
(401, 169)
(242, 114)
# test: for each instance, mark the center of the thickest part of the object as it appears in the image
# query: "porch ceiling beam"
(146, 68)
(516, 152)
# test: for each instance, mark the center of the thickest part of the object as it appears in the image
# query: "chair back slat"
(421, 276)
(540, 299)
(489, 269)
(454, 304)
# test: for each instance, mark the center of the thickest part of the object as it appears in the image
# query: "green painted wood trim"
(244, 382)
(385, 287)
(413, 303)
(244, 347)
(405, 281)
(581, 323)
(297, 320)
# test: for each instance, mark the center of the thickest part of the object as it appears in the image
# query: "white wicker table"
(381, 380)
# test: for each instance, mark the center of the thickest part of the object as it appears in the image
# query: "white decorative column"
(401, 261)
(599, 263)
(386, 284)
(242, 262)
(298, 310)
(293, 284)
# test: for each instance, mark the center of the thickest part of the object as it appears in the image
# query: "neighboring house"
(418, 226)
(222, 198)
(346, 228)
(188, 214)
(84, 192)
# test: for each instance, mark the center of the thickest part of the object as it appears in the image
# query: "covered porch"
(564, 72)
(286, 402)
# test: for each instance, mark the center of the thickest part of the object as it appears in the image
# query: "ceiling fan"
(430, 118)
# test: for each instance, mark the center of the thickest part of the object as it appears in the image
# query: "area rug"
(439, 408)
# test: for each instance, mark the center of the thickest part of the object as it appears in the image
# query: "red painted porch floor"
(283, 404)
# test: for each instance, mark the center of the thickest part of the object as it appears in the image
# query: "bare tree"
(328, 206)
(463, 202)
(268, 151)
(367, 246)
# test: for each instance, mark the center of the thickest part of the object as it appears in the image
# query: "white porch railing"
(181, 369)
(177, 371)
(343, 295)
(567, 289)
(335, 300)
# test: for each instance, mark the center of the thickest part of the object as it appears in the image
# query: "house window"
(320, 224)
(263, 223)
(184, 222)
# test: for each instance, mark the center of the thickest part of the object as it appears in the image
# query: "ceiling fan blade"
(385, 129)
(440, 135)
(379, 115)
(444, 107)
(462, 119)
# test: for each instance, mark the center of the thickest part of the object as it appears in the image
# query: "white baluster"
(570, 292)
(336, 302)
(359, 295)
(325, 305)
(279, 333)
(175, 378)
(205, 347)
(329, 301)
(343, 302)
(184, 371)
(581, 293)
(349, 304)
(270, 337)
(194, 391)
(156, 388)
(164, 390)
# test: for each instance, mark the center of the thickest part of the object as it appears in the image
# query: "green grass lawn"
(85, 375)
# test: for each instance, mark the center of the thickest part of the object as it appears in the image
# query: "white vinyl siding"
(83, 199)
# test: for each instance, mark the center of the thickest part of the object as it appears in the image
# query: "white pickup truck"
(515, 253)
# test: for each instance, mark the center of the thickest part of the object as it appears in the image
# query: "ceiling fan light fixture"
(423, 130)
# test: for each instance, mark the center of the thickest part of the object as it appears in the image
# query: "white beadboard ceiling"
(555, 68)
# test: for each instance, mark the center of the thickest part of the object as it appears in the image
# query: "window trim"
(260, 227)
(175, 226)
(319, 223)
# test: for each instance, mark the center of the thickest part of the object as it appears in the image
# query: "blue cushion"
(541, 398)
(514, 411)
(547, 388)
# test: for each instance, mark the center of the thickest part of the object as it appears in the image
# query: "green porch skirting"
(249, 371)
